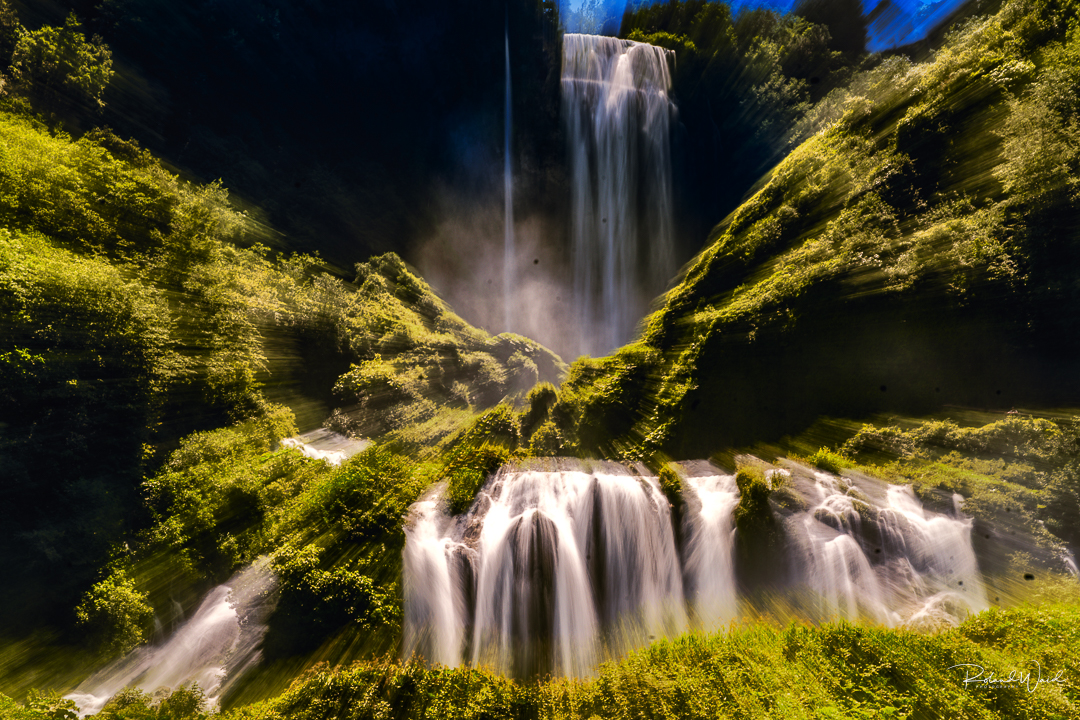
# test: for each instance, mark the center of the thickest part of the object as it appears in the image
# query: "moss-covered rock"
(759, 540)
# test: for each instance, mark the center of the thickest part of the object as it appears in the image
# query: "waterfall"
(886, 560)
(508, 201)
(213, 648)
(617, 118)
(554, 571)
(547, 572)
(709, 538)
(323, 444)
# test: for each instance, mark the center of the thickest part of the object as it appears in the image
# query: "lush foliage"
(759, 669)
(116, 614)
(1024, 466)
(137, 308)
(56, 67)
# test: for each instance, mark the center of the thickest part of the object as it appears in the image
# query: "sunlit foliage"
(1022, 465)
(137, 308)
(56, 67)
(116, 615)
(760, 670)
(743, 81)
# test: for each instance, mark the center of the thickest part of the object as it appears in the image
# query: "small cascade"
(554, 571)
(889, 562)
(213, 648)
(835, 565)
(323, 444)
(434, 611)
(547, 572)
(618, 120)
(709, 540)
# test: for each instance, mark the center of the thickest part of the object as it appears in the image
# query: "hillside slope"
(136, 308)
(917, 251)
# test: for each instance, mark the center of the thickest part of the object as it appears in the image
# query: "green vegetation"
(758, 669)
(117, 614)
(138, 308)
(55, 67)
(915, 250)
(1022, 469)
(759, 539)
(744, 82)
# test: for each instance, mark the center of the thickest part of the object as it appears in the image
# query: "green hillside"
(137, 307)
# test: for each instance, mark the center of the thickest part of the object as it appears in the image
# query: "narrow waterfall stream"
(557, 570)
(213, 648)
(509, 252)
(708, 543)
(617, 117)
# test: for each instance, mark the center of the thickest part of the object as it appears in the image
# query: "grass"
(755, 669)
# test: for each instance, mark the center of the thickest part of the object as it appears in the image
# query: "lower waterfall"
(554, 571)
(213, 648)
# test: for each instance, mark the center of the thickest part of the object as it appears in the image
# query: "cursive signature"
(1030, 679)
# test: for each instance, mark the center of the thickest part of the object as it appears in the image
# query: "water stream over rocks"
(556, 568)
(213, 648)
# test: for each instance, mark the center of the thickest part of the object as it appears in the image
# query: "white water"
(547, 572)
(709, 543)
(213, 648)
(322, 444)
(556, 571)
(617, 117)
(893, 563)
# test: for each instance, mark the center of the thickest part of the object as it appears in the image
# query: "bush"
(57, 68)
(547, 441)
(115, 615)
(468, 470)
(187, 702)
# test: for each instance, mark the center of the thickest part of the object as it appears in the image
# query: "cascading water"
(617, 117)
(885, 559)
(544, 573)
(213, 648)
(708, 539)
(553, 571)
(323, 444)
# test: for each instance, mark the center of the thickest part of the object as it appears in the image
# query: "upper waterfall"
(618, 120)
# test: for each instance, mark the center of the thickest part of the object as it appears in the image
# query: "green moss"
(671, 483)
(467, 471)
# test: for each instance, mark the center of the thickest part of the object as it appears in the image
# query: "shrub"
(547, 441)
(115, 615)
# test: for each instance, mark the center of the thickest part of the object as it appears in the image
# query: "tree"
(845, 20)
(58, 69)
(10, 30)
